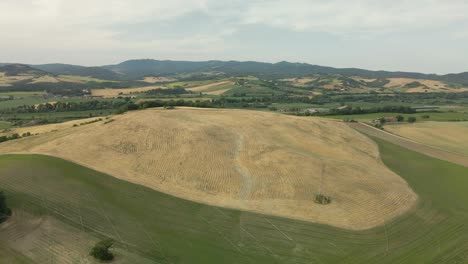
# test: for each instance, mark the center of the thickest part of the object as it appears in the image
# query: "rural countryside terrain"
(158, 161)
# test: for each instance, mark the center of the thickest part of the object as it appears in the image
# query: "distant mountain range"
(138, 69)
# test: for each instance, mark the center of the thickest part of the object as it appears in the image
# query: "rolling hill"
(138, 69)
(141, 68)
(256, 161)
(66, 69)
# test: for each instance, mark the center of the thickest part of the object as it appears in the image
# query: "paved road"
(412, 145)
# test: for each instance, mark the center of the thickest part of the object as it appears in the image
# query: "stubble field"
(255, 161)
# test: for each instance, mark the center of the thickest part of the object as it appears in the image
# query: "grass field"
(443, 116)
(450, 136)
(57, 116)
(34, 98)
(262, 162)
(4, 125)
(111, 93)
(212, 88)
(189, 84)
(23, 98)
(151, 227)
(437, 153)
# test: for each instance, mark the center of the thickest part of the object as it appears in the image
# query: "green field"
(189, 83)
(443, 116)
(4, 125)
(23, 98)
(57, 116)
(152, 227)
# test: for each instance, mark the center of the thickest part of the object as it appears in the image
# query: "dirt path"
(247, 180)
(412, 145)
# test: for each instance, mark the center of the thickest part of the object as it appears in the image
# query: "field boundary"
(411, 144)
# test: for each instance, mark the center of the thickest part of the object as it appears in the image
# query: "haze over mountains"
(137, 69)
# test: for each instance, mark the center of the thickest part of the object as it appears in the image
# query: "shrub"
(101, 250)
(411, 119)
(322, 199)
(5, 212)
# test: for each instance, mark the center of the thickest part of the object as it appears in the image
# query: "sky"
(429, 36)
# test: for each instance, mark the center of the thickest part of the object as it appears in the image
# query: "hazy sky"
(414, 35)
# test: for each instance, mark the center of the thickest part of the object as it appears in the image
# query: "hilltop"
(255, 161)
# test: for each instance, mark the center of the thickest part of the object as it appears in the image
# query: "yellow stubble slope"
(256, 161)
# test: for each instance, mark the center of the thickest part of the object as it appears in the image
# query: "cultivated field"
(45, 128)
(61, 209)
(449, 136)
(159, 79)
(425, 149)
(111, 93)
(256, 161)
(426, 85)
(212, 87)
(9, 80)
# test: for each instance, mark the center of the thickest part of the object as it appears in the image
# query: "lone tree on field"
(101, 250)
(320, 198)
(400, 118)
(5, 212)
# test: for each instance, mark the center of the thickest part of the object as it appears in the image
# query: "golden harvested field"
(256, 161)
(449, 136)
(45, 78)
(158, 79)
(300, 81)
(80, 79)
(427, 85)
(111, 93)
(8, 80)
(210, 86)
(217, 92)
(46, 128)
(362, 79)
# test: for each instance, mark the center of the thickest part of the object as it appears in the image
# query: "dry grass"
(9, 80)
(361, 79)
(426, 85)
(46, 240)
(217, 92)
(300, 81)
(158, 79)
(413, 145)
(257, 161)
(45, 78)
(46, 128)
(111, 93)
(210, 86)
(450, 136)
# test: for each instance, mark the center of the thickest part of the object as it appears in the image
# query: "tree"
(101, 250)
(411, 119)
(322, 199)
(5, 212)
(400, 118)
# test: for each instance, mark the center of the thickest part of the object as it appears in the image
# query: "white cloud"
(344, 16)
(111, 28)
